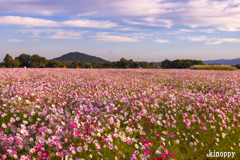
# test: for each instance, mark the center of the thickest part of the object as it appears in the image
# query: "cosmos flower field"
(118, 114)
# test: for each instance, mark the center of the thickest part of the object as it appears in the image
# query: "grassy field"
(213, 67)
(119, 114)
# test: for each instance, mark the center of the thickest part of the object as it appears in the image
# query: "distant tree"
(74, 65)
(166, 63)
(24, 60)
(37, 61)
(198, 62)
(12, 63)
(88, 65)
(130, 63)
(136, 65)
(115, 64)
(54, 64)
(99, 65)
(81, 65)
(123, 63)
(145, 65)
(1, 65)
(187, 63)
(7, 59)
(108, 65)
(9, 62)
(238, 66)
(151, 64)
(177, 64)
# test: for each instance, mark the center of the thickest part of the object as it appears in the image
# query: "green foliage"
(7, 59)
(151, 64)
(238, 66)
(24, 60)
(71, 60)
(123, 63)
(55, 64)
(37, 61)
(136, 65)
(9, 62)
(12, 63)
(187, 63)
(1, 65)
(144, 64)
(213, 67)
(166, 63)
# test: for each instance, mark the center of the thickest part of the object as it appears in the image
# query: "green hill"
(81, 57)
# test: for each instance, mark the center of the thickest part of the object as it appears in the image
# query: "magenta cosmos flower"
(45, 154)
(72, 125)
(164, 156)
(172, 155)
(147, 152)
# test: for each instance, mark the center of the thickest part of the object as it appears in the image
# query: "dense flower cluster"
(115, 114)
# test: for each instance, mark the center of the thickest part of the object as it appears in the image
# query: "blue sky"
(142, 30)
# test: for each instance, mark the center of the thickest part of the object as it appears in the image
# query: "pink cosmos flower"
(72, 125)
(14, 152)
(76, 132)
(41, 140)
(25, 132)
(4, 156)
(45, 154)
(147, 152)
(111, 120)
(61, 154)
(157, 135)
(79, 149)
(5, 147)
(172, 155)
(152, 143)
(37, 149)
(164, 156)
(146, 145)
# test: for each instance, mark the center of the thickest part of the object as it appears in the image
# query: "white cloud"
(27, 21)
(161, 41)
(150, 21)
(36, 22)
(145, 7)
(87, 13)
(194, 39)
(222, 15)
(113, 38)
(206, 30)
(210, 41)
(54, 33)
(15, 40)
(214, 41)
(89, 23)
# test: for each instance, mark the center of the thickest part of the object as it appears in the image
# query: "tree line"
(36, 61)
(184, 63)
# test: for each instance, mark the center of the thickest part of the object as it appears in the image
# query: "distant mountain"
(224, 61)
(81, 57)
